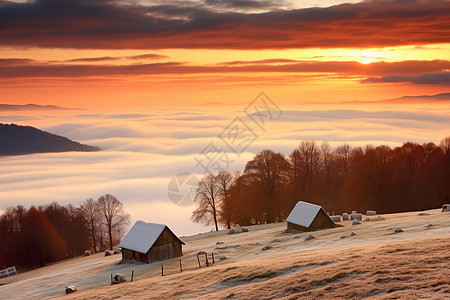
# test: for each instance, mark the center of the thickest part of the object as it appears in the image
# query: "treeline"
(32, 237)
(407, 178)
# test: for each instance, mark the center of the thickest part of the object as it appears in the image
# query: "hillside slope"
(17, 140)
(374, 263)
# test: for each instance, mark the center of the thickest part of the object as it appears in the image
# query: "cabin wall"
(296, 227)
(128, 254)
(321, 221)
(164, 251)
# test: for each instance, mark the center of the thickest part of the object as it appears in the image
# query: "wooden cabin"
(150, 242)
(308, 217)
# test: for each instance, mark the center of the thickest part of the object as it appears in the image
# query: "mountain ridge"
(31, 106)
(20, 140)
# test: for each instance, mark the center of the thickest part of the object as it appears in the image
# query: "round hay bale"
(355, 222)
(87, 253)
(117, 251)
(345, 216)
(71, 289)
(244, 229)
(118, 278)
(371, 213)
(107, 253)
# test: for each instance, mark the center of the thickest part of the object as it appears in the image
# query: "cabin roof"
(142, 236)
(303, 214)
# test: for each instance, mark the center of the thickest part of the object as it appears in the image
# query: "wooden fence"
(8, 272)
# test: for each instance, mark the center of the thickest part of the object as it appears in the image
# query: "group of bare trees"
(39, 235)
(105, 220)
(341, 179)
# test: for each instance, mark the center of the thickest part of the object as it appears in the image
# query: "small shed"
(308, 217)
(150, 242)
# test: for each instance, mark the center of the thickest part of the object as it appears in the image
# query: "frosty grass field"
(374, 263)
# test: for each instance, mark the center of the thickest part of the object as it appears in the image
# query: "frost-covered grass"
(375, 263)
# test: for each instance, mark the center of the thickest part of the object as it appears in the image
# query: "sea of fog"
(150, 159)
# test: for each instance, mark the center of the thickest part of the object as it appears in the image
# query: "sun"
(367, 56)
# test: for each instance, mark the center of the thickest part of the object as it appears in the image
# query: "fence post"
(132, 275)
(162, 270)
(181, 268)
(198, 259)
(212, 254)
(111, 280)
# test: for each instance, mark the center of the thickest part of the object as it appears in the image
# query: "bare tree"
(311, 161)
(113, 215)
(225, 181)
(92, 215)
(343, 153)
(207, 198)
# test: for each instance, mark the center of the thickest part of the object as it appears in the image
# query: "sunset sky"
(92, 53)
(153, 82)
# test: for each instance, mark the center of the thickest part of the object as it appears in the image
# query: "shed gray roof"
(303, 214)
(142, 236)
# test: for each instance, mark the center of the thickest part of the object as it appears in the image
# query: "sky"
(153, 83)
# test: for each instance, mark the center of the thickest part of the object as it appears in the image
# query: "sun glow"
(368, 56)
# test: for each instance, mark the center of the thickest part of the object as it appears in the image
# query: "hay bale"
(345, 216)
(371, 213)
(445, 207)
(237, 229)
(356, 216)
(87, 253)
(117, 251)
(71, 289)
(107, 253)
(356, 222)
(335, 218)
(118, 278)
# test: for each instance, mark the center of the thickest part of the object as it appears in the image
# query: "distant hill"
(441, 98)
(412, 99)
(12, 107)
(17, 140)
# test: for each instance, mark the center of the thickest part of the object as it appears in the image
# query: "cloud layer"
(212, 25)
(142, 151)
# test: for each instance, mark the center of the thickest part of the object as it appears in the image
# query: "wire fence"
(202, 259)
(169, 267)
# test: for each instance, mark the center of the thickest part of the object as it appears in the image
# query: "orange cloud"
(22, 68)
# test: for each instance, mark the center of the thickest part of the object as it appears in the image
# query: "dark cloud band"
(116, 25)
